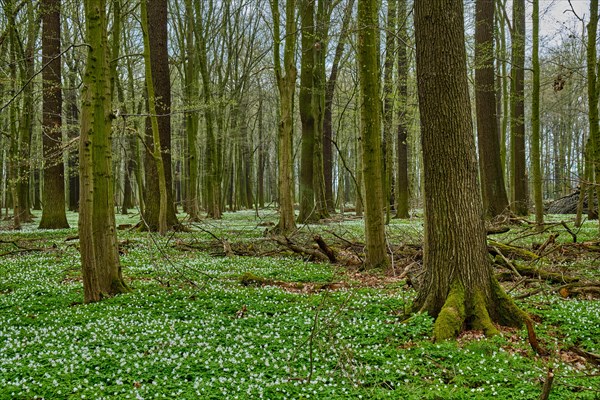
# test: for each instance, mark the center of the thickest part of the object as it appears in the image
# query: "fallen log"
(538, 273)
(511, 251)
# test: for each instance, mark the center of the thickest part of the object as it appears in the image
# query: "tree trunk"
(328, 114)
(388, 107)
(368, 72)
(161, 82)
(191, 118)
(101, 270)
(53, 214)
(535, 120)
(592, 65)
(517, 116)
(495, 201)
(307, 212)
(459, 289)
(286, 84)
(402, 181)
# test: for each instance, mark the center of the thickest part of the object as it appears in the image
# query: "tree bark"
(495, 200)
(370, 110)
(307, 212)
(53, 213)
(286, 85)
(536, 166)
(402, 181)
(101, 270)
(517, 116)
(161, 80)
(592, 65)
(328, 115)
(459, 289)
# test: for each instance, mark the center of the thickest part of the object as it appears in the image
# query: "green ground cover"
(191, 330)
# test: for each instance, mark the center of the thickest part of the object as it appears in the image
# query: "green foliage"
(221, 339)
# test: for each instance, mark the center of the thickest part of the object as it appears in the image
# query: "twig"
(547, 385)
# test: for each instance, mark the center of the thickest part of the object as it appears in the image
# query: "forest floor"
(227, 311)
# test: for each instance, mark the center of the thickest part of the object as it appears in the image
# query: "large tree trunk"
(97, 235)
(495, 200)
(53, 214)
(368, 72)
(517, 115)
(459, 288)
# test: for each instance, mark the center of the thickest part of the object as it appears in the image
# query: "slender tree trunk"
(388, 107)
(156, 151)
(368, 72)
(328, 114)
(517, 116)
(592, 65)
(402, 181)
(307, 212)
(495, 201)
(191, 118)
(535, 120)
(286, 83)
(459, 288)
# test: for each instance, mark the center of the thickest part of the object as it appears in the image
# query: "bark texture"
(495, 200)
(159, 60)
(53, 214)
(459, 289)
(517, 112)
(370, 111)
(101, 270)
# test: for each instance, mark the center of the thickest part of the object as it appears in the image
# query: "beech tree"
(370, 110)
(101, 269)
(285, 76)
(402, 181)
(459, 288)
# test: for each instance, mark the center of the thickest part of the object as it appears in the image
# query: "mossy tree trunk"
(459, 289)
(370, 110)
(495, 200)
(286, 84)
(517, 112)
(53, 213)
(402, 182)
(101, 270)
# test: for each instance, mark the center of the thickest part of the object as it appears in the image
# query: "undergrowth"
(191, 330)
